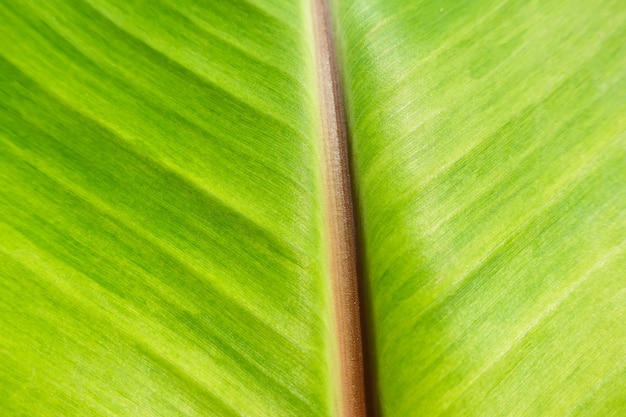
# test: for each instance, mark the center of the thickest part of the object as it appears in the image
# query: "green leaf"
(489, 142)
(162, 241)
(163, 231)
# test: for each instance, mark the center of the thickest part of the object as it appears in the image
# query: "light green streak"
(161, 231)
(489, 139)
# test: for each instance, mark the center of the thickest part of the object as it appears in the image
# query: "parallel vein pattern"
(160, 218)
(489, 139)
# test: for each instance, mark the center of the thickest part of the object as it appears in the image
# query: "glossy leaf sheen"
(489, 142)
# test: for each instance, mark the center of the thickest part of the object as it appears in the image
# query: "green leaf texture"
(161, 231)
(489, 142)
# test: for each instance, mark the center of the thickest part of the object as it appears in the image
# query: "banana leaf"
(163, 227)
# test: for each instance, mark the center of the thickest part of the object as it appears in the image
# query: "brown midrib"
(342, 256)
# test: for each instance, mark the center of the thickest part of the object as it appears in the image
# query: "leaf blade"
(159, 190)
(488, 142)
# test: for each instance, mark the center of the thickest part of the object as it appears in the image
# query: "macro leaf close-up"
(347, 208)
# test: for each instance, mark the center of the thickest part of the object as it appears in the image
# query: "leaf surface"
(161, 247)
(489, 143)
(163, 234)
